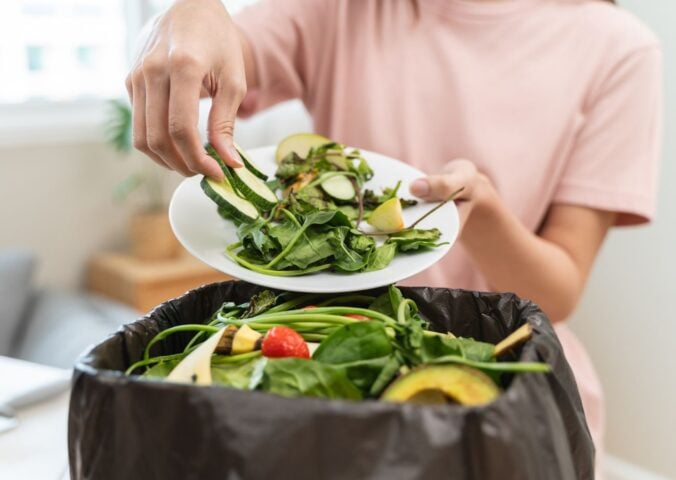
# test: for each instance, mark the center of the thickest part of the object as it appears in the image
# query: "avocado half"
(438, 384)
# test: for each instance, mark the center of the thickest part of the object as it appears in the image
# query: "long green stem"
(149, 361)
(334, 311)
(283, 318)
(199, 335)
(276, 273)
(179, 328)
(523, 367)
(294, 302)
(404, 307)
(219, 359)
(288, 247)
(291, 217)
(313, 337)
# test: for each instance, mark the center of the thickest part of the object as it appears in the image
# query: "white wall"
(628, 314)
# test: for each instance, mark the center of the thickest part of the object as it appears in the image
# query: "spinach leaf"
(361, 349)
(254, 237)
(291, 166)
(283, 232)
(364, 170)
(395, 297)
(310, 248)
(443, 345)
(383, 305)
(161, 369)
(354, 341)
(350, 211)
(274, 184)
(415, 239)
(312, 198)
(236, 375)
(361, 243)
(259, 303)
(346, 259)
(293, 377)
(331, 217)
(381, 257)
(386, 375)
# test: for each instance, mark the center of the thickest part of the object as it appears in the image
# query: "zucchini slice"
(245, 183)
(248, 163)
(228, 201)
(339, 187)
(251, 187)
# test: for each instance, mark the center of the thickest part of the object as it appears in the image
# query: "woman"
(546, 111)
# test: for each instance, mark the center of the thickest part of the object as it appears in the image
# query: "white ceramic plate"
(205, 234)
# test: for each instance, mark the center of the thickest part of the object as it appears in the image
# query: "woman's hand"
(456, 174)
(549, 266)
(193, 50)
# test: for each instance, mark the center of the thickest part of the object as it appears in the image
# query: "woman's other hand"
(193, 50)
(456, 174)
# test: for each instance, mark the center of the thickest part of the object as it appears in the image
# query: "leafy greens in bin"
(316, 224)
(364, 346)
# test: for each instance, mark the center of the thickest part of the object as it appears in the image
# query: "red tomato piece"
(282, 342)
(357, 316)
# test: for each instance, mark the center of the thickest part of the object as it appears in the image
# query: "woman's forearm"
(549, 268)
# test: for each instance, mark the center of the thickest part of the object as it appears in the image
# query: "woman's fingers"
(157, 116)
(228, 94)
(177, 64)
(137, 95)
(183, 117)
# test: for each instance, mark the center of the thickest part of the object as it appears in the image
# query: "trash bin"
(125, 428)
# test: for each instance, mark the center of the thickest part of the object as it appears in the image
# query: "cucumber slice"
(339, 187)
(228, 201)
(245, 183)
(301, 143)
(253, 188)
(248, 163)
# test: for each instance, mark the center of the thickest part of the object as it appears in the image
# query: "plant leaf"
(293, 377)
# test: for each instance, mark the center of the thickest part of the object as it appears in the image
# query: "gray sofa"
(48, 326)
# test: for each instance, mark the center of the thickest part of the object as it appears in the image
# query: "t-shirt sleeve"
(614, 162)
(286, 39)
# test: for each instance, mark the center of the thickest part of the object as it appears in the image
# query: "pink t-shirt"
(557, 101)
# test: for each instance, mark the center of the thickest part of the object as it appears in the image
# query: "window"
(61, 60)
(61, 49)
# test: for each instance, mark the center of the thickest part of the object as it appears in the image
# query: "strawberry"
(357, 316)
(284, 342)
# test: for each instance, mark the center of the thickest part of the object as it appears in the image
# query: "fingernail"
(420, 188)
(234, 156)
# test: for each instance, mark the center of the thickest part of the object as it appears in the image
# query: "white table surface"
(38, 448)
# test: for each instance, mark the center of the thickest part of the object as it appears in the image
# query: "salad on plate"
(316, 214)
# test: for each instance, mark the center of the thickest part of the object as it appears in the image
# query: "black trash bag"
(125, 428)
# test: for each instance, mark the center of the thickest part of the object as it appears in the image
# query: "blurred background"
(85, 245)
